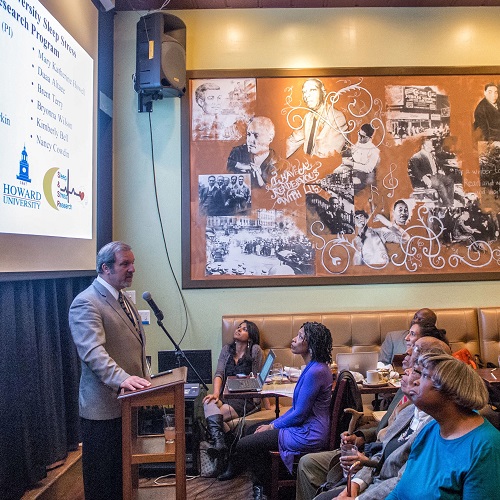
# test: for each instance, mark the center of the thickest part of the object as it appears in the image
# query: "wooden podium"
(165, 390)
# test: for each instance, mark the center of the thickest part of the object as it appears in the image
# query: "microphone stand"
(179, 352)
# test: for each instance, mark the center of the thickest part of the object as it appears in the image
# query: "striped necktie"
(126, 309)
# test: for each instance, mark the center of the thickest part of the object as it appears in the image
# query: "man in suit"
(108, 334)
(323, 130)
(425, 172)
(487, 114)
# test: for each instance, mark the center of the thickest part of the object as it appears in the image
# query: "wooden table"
(489, 375)
(376, 390)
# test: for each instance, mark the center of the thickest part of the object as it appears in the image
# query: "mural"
(341, 179)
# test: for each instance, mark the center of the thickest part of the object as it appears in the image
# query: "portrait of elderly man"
(323, 127)
(487, 114)
(255, 157)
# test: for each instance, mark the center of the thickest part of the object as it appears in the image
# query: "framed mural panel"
(298, 177)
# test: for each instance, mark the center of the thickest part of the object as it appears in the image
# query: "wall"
(271, 38)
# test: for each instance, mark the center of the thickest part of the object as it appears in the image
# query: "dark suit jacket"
(109, 347)
(487, 118)
(418, 166)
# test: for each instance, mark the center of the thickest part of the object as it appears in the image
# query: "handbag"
(208, 466)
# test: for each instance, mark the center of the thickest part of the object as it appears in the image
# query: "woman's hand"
(263, 428)
(210, 397)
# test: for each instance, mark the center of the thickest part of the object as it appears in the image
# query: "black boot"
(231, 472)
(215, 427)
(258, 492)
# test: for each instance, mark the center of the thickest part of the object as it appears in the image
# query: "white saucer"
(380, 384)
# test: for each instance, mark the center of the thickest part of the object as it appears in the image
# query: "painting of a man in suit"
(425, 172)
(487, 114)
(323, 127)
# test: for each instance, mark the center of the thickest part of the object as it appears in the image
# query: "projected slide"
(46, 118)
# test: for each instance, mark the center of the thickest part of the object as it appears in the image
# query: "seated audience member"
(458, 455)
(377, 476)
(305, 426)
(394, 342)
(242, 356)
(418, 331)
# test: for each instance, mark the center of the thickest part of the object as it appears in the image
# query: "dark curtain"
(40, 372)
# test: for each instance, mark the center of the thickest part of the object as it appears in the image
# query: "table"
(489, 374)
(376, 390)
(269, 391)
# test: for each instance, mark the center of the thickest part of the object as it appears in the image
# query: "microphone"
(157, 311)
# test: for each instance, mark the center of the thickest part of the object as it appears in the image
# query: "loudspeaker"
(161, 56)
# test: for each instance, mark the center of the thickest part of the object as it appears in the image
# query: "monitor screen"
(200, 359)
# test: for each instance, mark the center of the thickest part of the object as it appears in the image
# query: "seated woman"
(419, 330)
(305, 427)
(242, 356)
(458, 455)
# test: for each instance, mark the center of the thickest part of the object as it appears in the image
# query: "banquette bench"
(366, 330)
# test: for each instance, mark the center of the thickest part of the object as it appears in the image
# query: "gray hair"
(457, 381)
(264, 124)
(107, 254)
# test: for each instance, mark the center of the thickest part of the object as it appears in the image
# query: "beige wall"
(271, 38)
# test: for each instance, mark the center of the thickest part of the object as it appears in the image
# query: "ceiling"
(255, 4)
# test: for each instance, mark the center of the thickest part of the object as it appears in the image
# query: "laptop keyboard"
(248, 383)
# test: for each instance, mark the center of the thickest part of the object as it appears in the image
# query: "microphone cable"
(186, 316)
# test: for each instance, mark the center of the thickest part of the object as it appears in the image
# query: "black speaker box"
(161, 56)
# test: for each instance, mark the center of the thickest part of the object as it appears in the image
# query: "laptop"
(359, 362)
(254, 384)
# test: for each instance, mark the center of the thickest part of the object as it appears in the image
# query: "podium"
(165, 390)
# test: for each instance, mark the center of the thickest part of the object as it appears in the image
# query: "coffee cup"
(373, 377)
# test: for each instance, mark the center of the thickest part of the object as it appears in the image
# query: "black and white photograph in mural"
(268, 243)
(221, 108)
(413, 110)
(332, 203)
(435, 173)
(223, 194)
(255, 156)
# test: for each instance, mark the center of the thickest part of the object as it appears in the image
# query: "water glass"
(277, 373)
(348, 450)
(169, 428)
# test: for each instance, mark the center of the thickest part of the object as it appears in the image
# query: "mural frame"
(194, 172)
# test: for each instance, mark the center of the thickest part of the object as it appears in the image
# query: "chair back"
(345, 395)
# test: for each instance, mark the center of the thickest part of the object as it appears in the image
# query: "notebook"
(359, 362)
(253, 384)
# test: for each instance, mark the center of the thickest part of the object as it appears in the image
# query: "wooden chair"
(345, 395)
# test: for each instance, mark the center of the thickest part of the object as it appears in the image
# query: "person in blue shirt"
(458, 455)
(302, 429)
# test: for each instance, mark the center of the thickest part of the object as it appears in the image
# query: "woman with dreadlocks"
(302, 429)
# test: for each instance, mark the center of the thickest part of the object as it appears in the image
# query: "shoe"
(258, 492)
(230, 473)
(215, 428)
